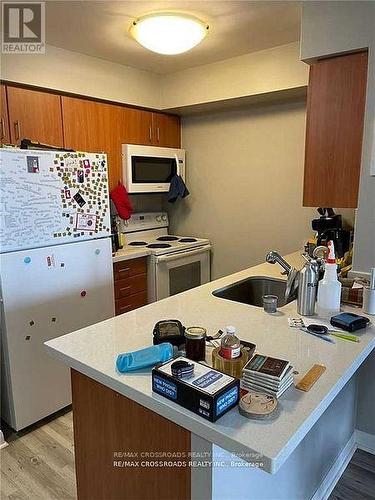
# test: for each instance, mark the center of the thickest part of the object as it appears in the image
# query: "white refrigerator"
(55, 270)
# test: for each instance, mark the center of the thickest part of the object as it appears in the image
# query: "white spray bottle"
(329, 289)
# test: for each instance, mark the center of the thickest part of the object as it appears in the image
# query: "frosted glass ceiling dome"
(168, 33)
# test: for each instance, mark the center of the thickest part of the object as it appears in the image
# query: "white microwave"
(149, 169)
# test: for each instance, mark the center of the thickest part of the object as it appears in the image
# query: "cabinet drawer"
(128, 286)
(127, 268)
(132, 302)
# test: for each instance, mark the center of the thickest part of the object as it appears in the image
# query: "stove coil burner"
(159, 245)
(187, 240)
(137, 243)
(167, 238)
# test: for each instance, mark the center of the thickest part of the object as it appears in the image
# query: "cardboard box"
(208, 393)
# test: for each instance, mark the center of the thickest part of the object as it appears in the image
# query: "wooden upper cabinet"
(334, 130)
(138, 126)
(83, 124)
(166, 130)
(34, 115)
(95, 127)
(156, 129)
(4, 122)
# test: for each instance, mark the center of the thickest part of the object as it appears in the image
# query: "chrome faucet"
(304, 281)
(272, 257)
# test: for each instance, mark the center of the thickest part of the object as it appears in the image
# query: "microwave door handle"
(187, 253)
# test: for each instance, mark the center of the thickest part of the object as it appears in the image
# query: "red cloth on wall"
(121, 199)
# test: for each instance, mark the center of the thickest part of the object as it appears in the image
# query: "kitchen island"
(131, 443)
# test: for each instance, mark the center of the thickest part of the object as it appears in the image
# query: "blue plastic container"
(150, 356)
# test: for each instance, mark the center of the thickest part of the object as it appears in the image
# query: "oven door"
(180, 271)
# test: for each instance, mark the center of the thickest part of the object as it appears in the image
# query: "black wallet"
(349, 322)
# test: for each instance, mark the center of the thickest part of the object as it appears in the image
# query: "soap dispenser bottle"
(329, 289)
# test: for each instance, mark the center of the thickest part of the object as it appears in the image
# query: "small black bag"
(169, 330)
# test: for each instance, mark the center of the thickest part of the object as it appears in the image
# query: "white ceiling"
(100, 29)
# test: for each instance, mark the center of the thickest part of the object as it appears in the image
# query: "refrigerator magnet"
(86, 222)
(79, 199)
(80, 177)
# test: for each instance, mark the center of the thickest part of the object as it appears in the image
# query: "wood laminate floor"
(39, 465)
(358, 480)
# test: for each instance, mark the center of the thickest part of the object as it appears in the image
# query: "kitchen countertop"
(93, 351)
(130, 253)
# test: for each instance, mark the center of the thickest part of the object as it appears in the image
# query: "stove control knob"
(158, 218)
(164, 217)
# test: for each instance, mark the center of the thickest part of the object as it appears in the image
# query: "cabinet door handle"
(124, 270)
(125, 308)
(17, 129)
(158, 134)
(150, 133)
(2, 128)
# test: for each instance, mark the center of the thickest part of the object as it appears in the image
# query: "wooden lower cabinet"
(111, 434)
(130, 284)
(132, 302)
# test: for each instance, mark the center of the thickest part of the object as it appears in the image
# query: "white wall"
(302, 473)
(68, 71)
(245, 173)
(366, 399)
(260, 72)
(331, 28)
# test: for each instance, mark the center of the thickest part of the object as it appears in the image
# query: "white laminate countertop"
(93, 351)
(130, 253)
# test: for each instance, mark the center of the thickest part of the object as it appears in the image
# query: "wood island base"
(115, 438)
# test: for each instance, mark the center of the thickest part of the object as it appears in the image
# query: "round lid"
(257, 405)
(195, 332)
(230, 329)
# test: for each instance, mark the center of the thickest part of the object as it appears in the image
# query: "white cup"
(368, 300)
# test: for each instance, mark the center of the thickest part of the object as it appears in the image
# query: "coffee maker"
(329, 227)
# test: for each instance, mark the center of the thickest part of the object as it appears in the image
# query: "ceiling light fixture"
(168, 33)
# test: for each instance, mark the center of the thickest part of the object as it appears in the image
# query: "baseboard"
(337, 469)
(365, 441)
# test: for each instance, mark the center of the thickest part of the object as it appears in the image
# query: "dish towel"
(121, 200)
(177, 189)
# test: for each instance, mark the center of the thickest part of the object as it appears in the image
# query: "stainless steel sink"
(251, 290)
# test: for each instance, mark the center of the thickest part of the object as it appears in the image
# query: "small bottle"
(329, 289)
(230, 344)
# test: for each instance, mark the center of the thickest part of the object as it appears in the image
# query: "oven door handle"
(186, 253)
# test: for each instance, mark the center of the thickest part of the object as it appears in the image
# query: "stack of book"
(265, 374)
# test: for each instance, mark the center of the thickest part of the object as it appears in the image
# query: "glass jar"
(195, 343)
